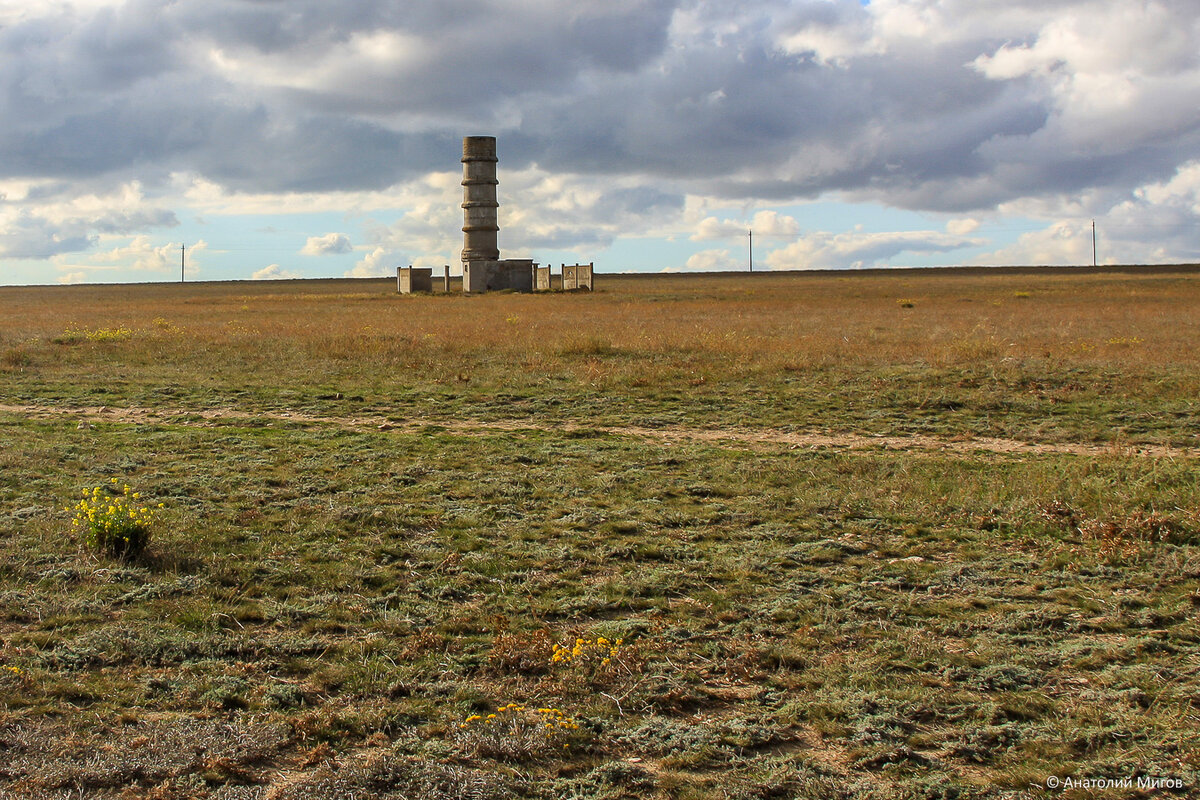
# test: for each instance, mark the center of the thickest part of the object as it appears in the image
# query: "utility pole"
(1093, 244)
(751, 232)
(182, 261)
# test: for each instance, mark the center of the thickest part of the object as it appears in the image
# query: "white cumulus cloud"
(329, 244)
(862, 250)
(273, 272)
(713, 261)
(379, 262)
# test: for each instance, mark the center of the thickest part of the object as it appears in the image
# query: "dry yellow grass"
(770, 319)
(890, 340)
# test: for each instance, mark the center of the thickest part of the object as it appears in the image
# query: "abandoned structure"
(482, 268)
(480, 222)
(420, 279)
(576, 276)
(414, 279)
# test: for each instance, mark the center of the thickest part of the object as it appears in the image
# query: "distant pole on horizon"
(751, 232)
(1093, 244)
(182, 256)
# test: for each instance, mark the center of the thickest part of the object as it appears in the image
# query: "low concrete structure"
(414, 279)
(515, 274)
(542, 281)
(576, 276)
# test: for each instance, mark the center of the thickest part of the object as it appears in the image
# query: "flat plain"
(898, 534)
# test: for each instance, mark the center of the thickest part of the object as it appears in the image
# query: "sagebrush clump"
(113, 520)
(515, 732)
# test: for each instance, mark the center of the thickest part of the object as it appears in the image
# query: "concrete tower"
(479, 199)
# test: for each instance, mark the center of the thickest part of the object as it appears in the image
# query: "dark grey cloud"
(482, 63)
(944, 105)
(757, 122)
(138, 89)
(126, 222)
(318, 153)
(644, 200)
(29, 236)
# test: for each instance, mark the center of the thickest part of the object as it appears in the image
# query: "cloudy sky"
(310, 138)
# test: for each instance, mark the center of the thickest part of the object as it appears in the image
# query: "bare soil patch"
(755, 438)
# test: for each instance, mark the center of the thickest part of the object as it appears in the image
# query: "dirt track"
(735, 436)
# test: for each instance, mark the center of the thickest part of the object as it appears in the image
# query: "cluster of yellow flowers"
(118, 334)
(74, 334)
(165, 325)
(516, 732)
(14, 670)
(548, 718)
(587, 651)
(116, 523)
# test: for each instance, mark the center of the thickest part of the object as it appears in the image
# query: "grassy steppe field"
(909, 534)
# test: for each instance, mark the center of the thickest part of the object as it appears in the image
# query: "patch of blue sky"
(24, 272)
(239, 246)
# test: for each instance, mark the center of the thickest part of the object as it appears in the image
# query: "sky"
(309, 138)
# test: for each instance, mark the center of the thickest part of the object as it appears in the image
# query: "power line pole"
(751, 232)
(182, 261)
(1093, 244)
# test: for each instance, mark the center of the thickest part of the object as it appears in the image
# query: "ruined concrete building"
(483, 270)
